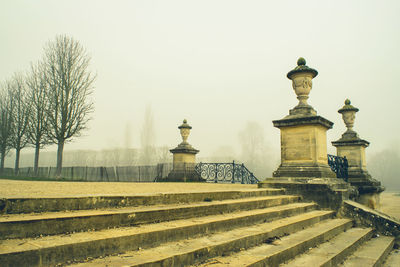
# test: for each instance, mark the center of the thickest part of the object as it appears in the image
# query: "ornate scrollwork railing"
(225, 173)
(339, 165)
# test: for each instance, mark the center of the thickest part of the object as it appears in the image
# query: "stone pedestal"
(303, 132)
(184, 159)
(351, 146)
(303, 147)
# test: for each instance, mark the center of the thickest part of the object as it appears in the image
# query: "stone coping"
(368, 217)
(184, 148)
(300, 120)
(350, 142)
(304, 180)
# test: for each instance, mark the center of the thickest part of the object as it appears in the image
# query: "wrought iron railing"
(225, 173)
(339, 165)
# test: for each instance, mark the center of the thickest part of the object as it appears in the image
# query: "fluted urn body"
(185, 131)
(348, 115)
(301, 77)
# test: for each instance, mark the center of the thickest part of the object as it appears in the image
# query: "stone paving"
(35, 189)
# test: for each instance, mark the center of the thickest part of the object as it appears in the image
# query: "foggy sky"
(219, 64)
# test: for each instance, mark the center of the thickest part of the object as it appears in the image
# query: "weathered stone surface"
(327, 192)
(33, 225)
(283, 248)
(332, 253)
(52, 250)
(364, 216)
(186, 252)
(372, 253)
(29, 205)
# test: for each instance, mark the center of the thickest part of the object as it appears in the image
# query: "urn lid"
(302, 67)
(185, 125)
(347, 107)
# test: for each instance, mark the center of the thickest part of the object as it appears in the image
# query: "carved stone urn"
(301, 77)
(348, 115)
(185, 132)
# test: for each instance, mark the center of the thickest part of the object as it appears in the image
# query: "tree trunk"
(17, 155)
(60, 149)
(36, 161)
(3, 156)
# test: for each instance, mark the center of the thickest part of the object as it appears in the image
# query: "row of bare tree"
(49, 104)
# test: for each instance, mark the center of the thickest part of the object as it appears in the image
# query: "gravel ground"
(34, 189)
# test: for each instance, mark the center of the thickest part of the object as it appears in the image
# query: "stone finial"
(185, 131)
(347, 107)
(185, 125)
(302, 68)
(348, 114)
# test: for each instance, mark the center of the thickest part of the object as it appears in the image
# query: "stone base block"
(366, 184)
(319, 171)
(327, 192)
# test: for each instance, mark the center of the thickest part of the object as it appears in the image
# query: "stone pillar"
(184, 159)
(351, 146)
(303, 132)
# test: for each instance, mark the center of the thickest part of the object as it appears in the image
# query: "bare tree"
(70, 87)
(163, 155)
(38, 123)
(147, 138)
(6, 121)
(255, 151)
(21, 114)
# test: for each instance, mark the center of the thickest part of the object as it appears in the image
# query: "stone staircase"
(255, 227)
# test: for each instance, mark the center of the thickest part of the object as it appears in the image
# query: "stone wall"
(100, 174)
(364, 216)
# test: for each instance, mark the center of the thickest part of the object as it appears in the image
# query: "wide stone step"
(393, 259)
(51, 250)
(186, 252)
(334, 252)
(29, 205)
(282, 248)
(33, 225)
(372, 253)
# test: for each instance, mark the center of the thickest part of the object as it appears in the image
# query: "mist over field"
(221, 65)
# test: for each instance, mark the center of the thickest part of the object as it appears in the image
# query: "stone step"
(35, 225)
(283, 248)
(186, 252)
(335, 251)
(51, 250)
(30, 205)
(372, 253)
(393, 259)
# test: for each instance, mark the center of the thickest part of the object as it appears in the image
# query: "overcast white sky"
(218, 63)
